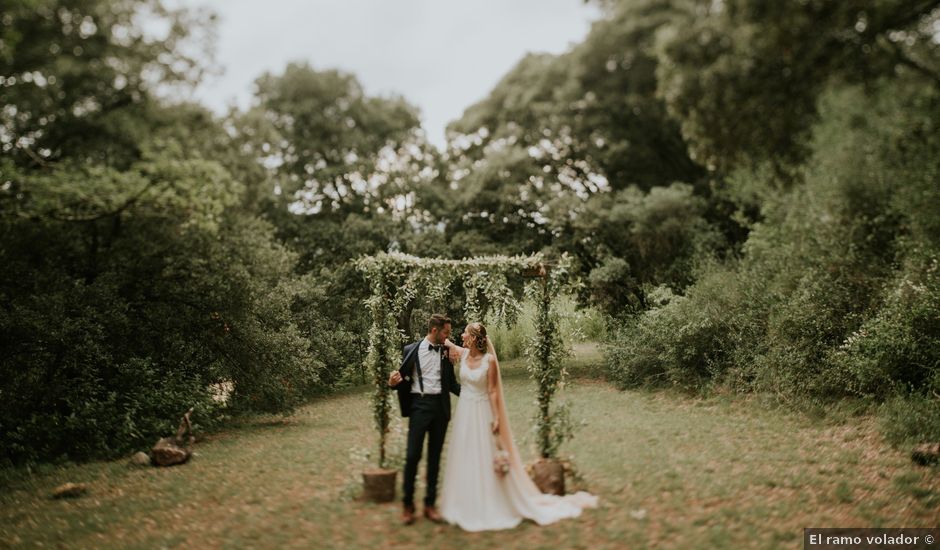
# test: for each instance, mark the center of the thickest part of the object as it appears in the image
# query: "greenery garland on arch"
(396, 279)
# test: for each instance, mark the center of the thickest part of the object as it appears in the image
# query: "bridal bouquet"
(501, 462)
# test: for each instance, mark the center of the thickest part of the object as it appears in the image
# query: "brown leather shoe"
(431, 513)
(408, 515)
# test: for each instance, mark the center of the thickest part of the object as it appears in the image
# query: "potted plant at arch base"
(548, 471)
(378, 483)
(546, 354)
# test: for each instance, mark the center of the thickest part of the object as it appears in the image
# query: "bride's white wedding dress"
(473, 496)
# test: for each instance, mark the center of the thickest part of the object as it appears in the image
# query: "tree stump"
(174, 450)
(549, 476)
(926, 454)
(379, 484)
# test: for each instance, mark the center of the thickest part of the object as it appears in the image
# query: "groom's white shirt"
(430, 370)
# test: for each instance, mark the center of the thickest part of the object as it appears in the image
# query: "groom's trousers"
(427, 417)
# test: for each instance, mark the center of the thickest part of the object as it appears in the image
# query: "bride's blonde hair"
(478, 332)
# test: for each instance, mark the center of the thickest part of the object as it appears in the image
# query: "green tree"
(743, 76)
(134, 278)
(553, 156)
(343, 172)
(78, 75)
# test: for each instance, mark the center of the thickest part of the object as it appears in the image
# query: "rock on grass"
(70, 490)
(926, 454)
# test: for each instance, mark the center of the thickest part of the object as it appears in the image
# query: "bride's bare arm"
(492, 387)
(454, 351)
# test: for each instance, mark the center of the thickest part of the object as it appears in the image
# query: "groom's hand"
(394, 379)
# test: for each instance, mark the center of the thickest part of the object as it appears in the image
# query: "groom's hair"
(438, 321)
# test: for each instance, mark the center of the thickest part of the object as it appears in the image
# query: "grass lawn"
(670, 471)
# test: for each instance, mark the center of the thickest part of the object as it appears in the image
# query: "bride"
(474, 496)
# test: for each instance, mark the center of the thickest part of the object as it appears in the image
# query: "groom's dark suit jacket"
(410, 368)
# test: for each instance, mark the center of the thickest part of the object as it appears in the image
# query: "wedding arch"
(495, 289)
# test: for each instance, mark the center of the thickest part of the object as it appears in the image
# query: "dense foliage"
(747, 190)
(134, 281)
(821, 121)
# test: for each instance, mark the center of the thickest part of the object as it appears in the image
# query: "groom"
(423, 381)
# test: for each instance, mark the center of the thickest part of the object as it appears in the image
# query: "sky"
(441, 55)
